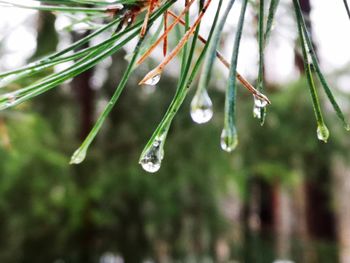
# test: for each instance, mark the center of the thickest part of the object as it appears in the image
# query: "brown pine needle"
(158, 70)
(165, 34)
(165, 43)
(148, 14)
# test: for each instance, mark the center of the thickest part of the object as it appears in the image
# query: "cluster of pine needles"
(126, 20)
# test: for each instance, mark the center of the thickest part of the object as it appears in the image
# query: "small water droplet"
(11, 98)
(347, 127)
(8, 100)
(201, 107)
(258, 102)
(322, 133)
(229, 139)
(259, 108)
(153, 81)
(151, 159)
(43, 61)
(78, 156)
(257, 112)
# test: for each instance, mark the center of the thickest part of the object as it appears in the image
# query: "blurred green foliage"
(112, 204)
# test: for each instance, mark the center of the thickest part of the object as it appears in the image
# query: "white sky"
(331, 31)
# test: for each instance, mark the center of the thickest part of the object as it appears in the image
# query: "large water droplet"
(322, 133)
(151, 159)
(78, 156)
(153, 81)
(229, 139)
(201, 107)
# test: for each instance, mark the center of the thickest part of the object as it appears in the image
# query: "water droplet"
(258, 102)
(322, 133)
(8, 100)
(229, 139)
(259, 109)
(153, 81)
(257, 112)
(42, 61)
(109, 257)
(78, 156)
(11, 98)
(201, 107)
(151, 158)
(347, 127)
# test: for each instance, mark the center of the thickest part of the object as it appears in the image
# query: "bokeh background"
(282, 196)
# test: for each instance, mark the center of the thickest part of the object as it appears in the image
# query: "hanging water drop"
(153, 81)
(347, 127)
(201, 107)
(257, 112)
(322, 133)
(151, 159)
(229, 139)
(258, 102)
(78, 156)
(259, 108)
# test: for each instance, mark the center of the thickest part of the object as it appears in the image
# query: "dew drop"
(153, 81)
(322, 133)
(229, 139)
(201, 107)
(151, 159)
(78, 156)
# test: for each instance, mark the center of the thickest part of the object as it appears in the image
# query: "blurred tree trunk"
(252, 220)
(85, 98)
(47, 41)
(301, 229)
(341, 189)
(47, 38)
(49, 106)
(282, 221)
